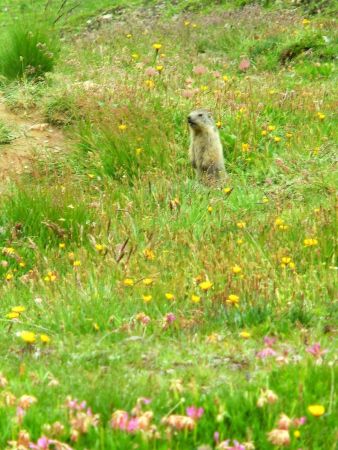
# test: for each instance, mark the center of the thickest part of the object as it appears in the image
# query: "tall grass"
(28, 51)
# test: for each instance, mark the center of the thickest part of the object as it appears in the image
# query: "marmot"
(206, 152)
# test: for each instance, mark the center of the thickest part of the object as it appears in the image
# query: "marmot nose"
(190, 120)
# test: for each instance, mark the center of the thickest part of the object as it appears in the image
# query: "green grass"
(5, 134)
(122, 203)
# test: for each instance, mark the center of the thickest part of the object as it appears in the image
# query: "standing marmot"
(206, 152)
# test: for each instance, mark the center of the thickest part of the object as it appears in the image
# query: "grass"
(138, 282)
(5, 134)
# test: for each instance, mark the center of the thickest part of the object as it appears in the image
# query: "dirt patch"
(31, 136)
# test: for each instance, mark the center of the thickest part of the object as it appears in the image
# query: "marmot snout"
(206, 152)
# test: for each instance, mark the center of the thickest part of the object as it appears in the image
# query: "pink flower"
(199, 70)
(284, 422)
(216, 74)
(150, 72)
(194, 413)
(269, 341)
(299, 422)
(279, 437)
(119, 420)
(244, 65)
(267, 351)
(316, 351)
(170, 317)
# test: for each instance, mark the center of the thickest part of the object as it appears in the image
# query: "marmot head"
(200, 120)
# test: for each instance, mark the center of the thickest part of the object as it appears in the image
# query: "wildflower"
(186, 23)
(199, 70)
(239, 241)
(236, 269)
(149, 254)
(271, 127)
(267, 397)
(62, 245)
(143, 318)
(12, 315)
(296, 434)
(77, 263)
(316, 410)
(241, 225)
(266, 352)
(44, 338)
(305, 22)
(195, 298)
(28, 336)
(147, 281)
(286, 260)
(194, 413)
(99, 247)
(176, 386)
(203, 88)
(128, 282)
(225, 78)
(227, 190)
(245, 335)
(96, 326)
(168, 319)
(147, 298)
(288, 135)
(8, 251)
(18, 309)
(310, 242)
(284, 422)
(205, 285)
(122, 127)
(279, 437)
(135, 55)
(209, 209)
(149, 84)
(265, 200)
(178, 422)
(277, 139)
(169, 296)
(138, 151)
(9, 276)
(22, 264)
(159, 68)
(264, 132)
(283, 227)
(279, 221)
(157, 46)
(245, 147)
(320, 116)
(232, 300)
(316, 351)
(218, 124)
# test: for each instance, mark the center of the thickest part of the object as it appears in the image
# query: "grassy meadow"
(140, 309)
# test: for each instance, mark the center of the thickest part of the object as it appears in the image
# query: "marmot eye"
(200, 114)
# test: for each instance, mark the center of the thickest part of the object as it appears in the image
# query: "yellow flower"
(159, 68)
(209, 209)
(245, 147)
(277, 139)
(91, 176)
(147, 298)
(239, 241)
(8, 250)
(310, 242)
(128, 282)
(129, 35)
(62, 245)
(320, 116)
(236, 269)
(241, 224)
(279, 221)
(44, 338)
(218, 124)
(271, 127)
(296, 434)
(12, 315)
(147, 281)
(288, 135)
(9, 276)
(122, 127)
(22, 264)
(149, 83)
(169, 296)
(186, 23)
(149, 254)
(99, 247)
(245, 335)
(225, 78)
(286, 259)
(316, 150)
(205, 285)
(265, 200)
(227, 190)
(76, 263)
(96, 326)
(138, 151)
(28, 336)
(316, 410)
(305, 22)
(264, 133)
(283, 227)
(195, 298)
(157, 46)
(232, 300)
(18, 309)
(194, 25)
(203, 88)
(135, 55)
